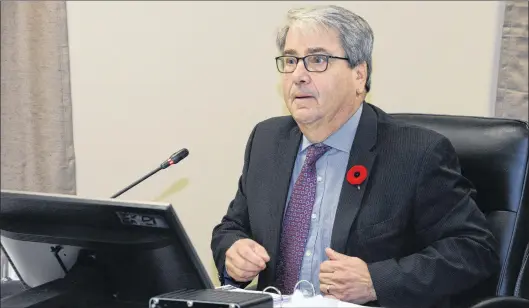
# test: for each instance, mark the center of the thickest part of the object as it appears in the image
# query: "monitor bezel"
(164, 208)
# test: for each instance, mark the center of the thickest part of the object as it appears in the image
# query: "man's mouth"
(303, 96)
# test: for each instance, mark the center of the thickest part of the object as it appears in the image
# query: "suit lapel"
(351, 197)
(286, 152)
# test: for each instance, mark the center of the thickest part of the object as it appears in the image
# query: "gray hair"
(354, 32)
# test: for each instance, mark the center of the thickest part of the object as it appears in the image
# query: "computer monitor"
(72, 251)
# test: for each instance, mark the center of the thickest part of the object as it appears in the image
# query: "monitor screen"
(127, 250)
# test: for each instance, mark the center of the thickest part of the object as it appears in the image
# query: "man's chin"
(304, 116)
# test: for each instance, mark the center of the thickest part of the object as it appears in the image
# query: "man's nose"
(300, 74)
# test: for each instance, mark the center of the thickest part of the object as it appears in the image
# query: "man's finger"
(233, 272)
(333, 255)
(323, 288)
(329, 266)
(261, 251)
(238, 261)
(248, 254)
(327, 289)
(239, 274)
(250, 275)
(326, 278)
(325, 267)
(245, 265)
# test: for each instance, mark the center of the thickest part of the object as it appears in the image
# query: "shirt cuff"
(230, 281)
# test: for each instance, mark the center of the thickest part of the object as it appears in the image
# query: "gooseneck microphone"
(174, 159)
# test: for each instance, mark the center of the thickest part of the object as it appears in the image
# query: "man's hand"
(245, 259)
(346, 278)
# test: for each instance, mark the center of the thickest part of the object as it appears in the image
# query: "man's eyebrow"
(290, 52)
(317, 50)
(313, 50)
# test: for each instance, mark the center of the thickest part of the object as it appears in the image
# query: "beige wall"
(149, 78)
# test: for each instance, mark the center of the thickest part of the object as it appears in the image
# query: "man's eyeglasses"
(313, 63)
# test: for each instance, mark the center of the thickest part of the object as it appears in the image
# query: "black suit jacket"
(413, 221)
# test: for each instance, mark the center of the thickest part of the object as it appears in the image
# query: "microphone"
(172, 160)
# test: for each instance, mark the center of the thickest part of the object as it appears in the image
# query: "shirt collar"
(342, 139)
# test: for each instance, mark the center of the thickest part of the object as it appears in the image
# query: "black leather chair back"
(503, 302)
(522, 285)
(493, 154)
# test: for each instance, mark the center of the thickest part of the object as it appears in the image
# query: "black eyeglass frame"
(305, 62)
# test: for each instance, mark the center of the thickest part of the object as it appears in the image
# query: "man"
(368, 209)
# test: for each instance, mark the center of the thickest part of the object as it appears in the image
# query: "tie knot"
(314, 152)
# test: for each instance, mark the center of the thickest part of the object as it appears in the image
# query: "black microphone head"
(175, 158)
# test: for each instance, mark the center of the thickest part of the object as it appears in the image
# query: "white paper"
(299, 300)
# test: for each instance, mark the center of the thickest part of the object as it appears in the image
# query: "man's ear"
(361, 72)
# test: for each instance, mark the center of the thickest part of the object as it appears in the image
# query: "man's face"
(316, 97)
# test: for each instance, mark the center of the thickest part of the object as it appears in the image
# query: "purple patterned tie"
(296, 222)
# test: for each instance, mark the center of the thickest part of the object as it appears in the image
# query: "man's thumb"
(333, 255)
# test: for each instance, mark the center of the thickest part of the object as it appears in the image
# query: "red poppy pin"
(357, 175)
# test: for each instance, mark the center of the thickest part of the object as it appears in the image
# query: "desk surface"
(10, 287)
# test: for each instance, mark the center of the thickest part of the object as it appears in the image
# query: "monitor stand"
(83, 284)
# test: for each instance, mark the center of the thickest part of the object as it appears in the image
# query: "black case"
(209, 298)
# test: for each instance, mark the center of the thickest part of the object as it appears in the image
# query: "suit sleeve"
(458, 249)
(235, 223)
